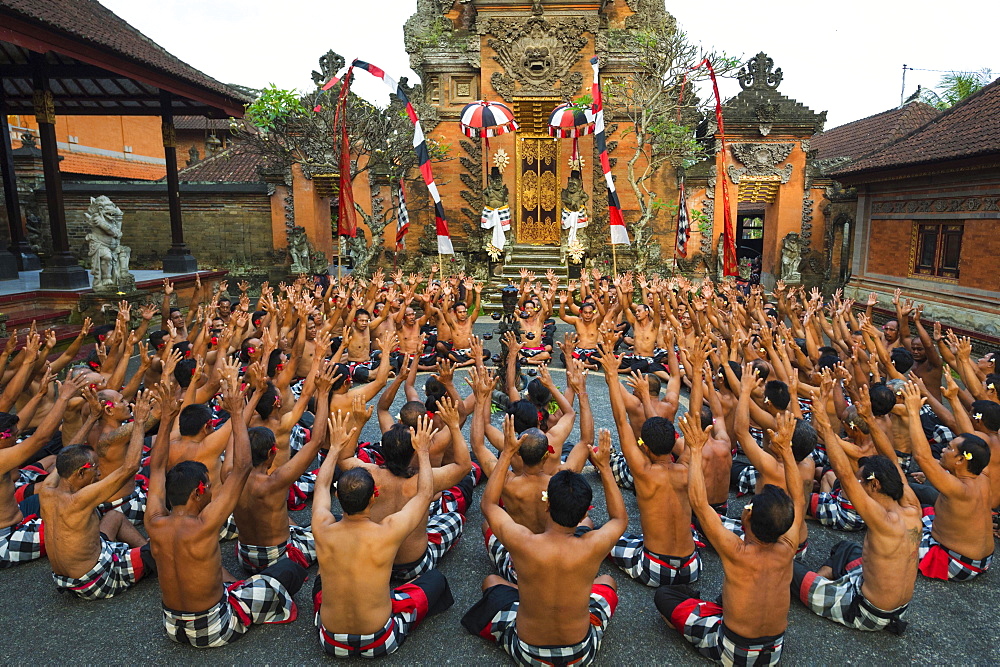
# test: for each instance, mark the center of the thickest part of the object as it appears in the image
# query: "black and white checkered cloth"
(841, 600)
(501, 557)
(22, 542)
(133, 506)
(299, 437)
(620, 471)
(939, 562)
(443, 531)
(495, 617)
(259, 599)
(296, 387)
(747, 482)
(229, 531)
(700, 623)
(834, 510)
(118, 568)
(300, 547)
(651, 569)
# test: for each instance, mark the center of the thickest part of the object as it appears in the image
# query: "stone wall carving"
(939, 205)
(708, 208)
(807, 216)
(537, 53)
(760, 161)
(472, 193)
(759, 72)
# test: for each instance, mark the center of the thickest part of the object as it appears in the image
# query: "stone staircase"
(535, 258)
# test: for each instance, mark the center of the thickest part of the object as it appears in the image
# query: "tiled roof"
(99, 165)
(200, 123)
(861, 137)
(89, 22)
(969, 129)
(226, 167)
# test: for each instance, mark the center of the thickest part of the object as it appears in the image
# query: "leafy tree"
(955, 87)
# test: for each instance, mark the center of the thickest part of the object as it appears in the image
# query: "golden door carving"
(537, 191)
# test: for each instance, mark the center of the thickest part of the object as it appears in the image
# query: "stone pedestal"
(181, 261)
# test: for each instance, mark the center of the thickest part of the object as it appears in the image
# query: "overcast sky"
(845, 58)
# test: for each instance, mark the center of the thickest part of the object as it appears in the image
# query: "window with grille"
(938, 249)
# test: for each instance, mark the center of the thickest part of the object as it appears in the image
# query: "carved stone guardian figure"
(574, 213)
(300, 250)
(496, 212)
(791, 257)
(109, 259)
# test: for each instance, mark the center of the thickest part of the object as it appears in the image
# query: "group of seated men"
(238, 414)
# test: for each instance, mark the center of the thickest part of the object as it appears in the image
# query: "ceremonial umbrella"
(570, 120)
(484, 119)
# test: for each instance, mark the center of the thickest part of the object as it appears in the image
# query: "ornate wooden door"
(537, 191)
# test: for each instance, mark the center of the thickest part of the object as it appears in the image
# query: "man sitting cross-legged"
(558, 611)
(184, 513)
(866, 587)
(265, 536)
(957, 542)
(749, 627)
(93, 557)
(364, 617)
(429, 542)
(661, 492)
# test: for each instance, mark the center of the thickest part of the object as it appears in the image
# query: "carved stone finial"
(329, 64)
(28, 140)
(759, 72)
(536, 7)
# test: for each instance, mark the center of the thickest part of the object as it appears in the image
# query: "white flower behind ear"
(545, 496)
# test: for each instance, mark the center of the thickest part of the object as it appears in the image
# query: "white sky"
(843, 57)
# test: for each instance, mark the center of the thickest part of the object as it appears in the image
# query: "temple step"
(537, 259)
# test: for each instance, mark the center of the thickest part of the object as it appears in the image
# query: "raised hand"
(600, 455)
(912, 398)
(445, 370)
(360, 411)
(168, 287)
(781, 440)
(143, 406)
(448, 411)
(695, 436)
(640, 387)
(339, 435)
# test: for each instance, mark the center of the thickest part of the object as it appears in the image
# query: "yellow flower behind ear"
(640, 442)
(968, 456)
(871, 476)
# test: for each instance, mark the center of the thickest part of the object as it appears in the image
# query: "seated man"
(184, 515)
(660, 491)
(749, 626)
(555, 614)
(957, 543)
(91, 556)
(427, 544)
(261, 515)
(366, 618)
(866, 587)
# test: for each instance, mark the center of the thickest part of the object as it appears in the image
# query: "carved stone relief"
(759, 72)
(760, 160)
(807, 216)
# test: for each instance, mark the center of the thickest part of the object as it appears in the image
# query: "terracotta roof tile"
(90, 21)
(200, 123)
(969, 129)
(227, 167)
(861, 137)
(99, 165)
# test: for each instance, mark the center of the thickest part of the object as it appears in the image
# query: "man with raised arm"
(93, 557)
(185, 511)
(558, 611)
(866, 587)
(665, 552)
(957, 542)
(749, 627)
(365, 617)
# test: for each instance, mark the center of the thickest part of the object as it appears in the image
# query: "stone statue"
(108, 257)
(574, 207)
(193, 156)
(300, 250)
(791, 257)
(496, 211)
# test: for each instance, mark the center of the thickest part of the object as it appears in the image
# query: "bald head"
(534, 445)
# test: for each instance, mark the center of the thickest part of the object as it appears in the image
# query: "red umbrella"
(570, 120)
(485, 119)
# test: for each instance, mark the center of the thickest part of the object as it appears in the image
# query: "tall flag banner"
(402, 219)
(619, 236)
(683, 223)
(423, 156)
(347, 217)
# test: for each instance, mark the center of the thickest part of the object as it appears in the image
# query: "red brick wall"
(889, 247)
(980, 250)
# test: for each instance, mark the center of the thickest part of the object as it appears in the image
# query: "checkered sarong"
(300, 547)
(501, 557)
(651, 569)
(842, 601)
(495, 617)
(443, 531)
(834, 510)
(700, 623)
(296, 387)
(620, 471)
(22, 542)
(940, 562)
(229, 531)
(299, 437)
(117, 569)
(748, 481)
(259, 599)
(133, 506)
(820, 456)
(456, 499)
(938, 435)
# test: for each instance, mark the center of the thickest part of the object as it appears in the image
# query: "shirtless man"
(184, 514)
(586, 325)
(411, 338)
(665, 552)
(869, 586)
(21, 534)
(367, 618)
(460, 323)
(94, 557)
(558, 611)
(749, 626)
(957, 542)
(426, 544)
(645, 323)
(533, 350)
(265, 533)
(359, 347)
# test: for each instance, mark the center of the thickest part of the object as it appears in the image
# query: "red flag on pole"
(347, 221)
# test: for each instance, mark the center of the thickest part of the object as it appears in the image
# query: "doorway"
(538, 220)
(750, 236)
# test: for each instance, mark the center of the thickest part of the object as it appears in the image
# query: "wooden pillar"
(61, 271)
(8, 261)
(178, 259)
